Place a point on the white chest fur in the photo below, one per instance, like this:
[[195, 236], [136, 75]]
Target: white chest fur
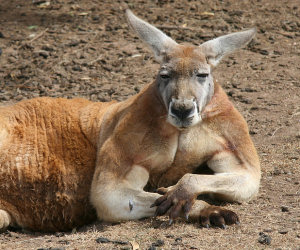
[[196, 144]]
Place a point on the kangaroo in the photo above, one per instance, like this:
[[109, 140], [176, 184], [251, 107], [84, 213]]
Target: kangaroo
[[65, 162]]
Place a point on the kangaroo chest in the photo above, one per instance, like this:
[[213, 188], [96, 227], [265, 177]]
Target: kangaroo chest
[[184, 154], [195, 146]]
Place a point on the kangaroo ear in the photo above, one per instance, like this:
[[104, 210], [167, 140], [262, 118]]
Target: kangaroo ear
[[156, 39], [215, 49]]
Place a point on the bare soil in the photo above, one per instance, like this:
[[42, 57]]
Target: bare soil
[[78, 48]]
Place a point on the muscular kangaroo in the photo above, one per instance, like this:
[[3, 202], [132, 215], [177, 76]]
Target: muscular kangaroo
[[62, 162]]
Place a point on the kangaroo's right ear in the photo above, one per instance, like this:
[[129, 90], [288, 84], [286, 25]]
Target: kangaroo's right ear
[[156, 39]]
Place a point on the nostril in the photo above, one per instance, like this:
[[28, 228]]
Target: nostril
[[175, 111], [182, 112]]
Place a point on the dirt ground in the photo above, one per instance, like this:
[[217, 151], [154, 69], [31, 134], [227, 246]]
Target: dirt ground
[[77, 48]]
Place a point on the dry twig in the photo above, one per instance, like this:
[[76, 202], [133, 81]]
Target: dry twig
[[38, 36]]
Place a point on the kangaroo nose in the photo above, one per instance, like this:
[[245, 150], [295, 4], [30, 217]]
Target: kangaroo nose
[[182, 112]]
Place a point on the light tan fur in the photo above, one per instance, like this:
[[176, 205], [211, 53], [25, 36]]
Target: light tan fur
[[64, 161]]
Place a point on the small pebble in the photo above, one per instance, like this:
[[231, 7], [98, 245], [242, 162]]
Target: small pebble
[[51, 248], [42, 53], [120, 242], [264, 52], [73, 43], [47, 47], [95, 18], [76, 68], [102, 240], [178, 239], [264, 239], [66, 242], [59, 234], [169, 236], [283, 231], [158, 243], [284, 209]]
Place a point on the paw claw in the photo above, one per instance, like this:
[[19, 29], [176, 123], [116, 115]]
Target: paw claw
[[206, 226], [218, 217], [186, 217], [170, 222], [130, 205]]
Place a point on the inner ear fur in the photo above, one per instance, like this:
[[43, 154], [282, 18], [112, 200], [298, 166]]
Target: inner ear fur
[[216, 48]]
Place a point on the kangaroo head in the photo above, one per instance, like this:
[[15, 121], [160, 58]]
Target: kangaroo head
[[184, 81]]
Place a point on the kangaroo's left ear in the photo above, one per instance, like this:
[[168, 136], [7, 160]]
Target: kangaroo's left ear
[[158, 41], [215, 49]]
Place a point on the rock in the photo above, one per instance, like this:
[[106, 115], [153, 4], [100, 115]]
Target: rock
[[170, 236], [42, 53], [268, 230], [65, 242], [230, 93], [1, 35], [277, 171], [76, 68], [247, 101], [158, 243], [283, 231], [37, 2], [263, 52], [120, 242], [102, 240], [52, 248], [249, 90], [11, 59], [264, 239], [59, 234], [179, 239], [19, 97], [5, 98], [284, 209], [73, 43], [95, 18], [47, 47], [236, 13]]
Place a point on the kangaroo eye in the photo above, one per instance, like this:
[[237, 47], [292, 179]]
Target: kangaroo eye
[[201, 75]]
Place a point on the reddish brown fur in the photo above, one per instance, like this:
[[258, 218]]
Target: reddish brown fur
[[57, 153], [187, 58], [46, 140], [54, 142]]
